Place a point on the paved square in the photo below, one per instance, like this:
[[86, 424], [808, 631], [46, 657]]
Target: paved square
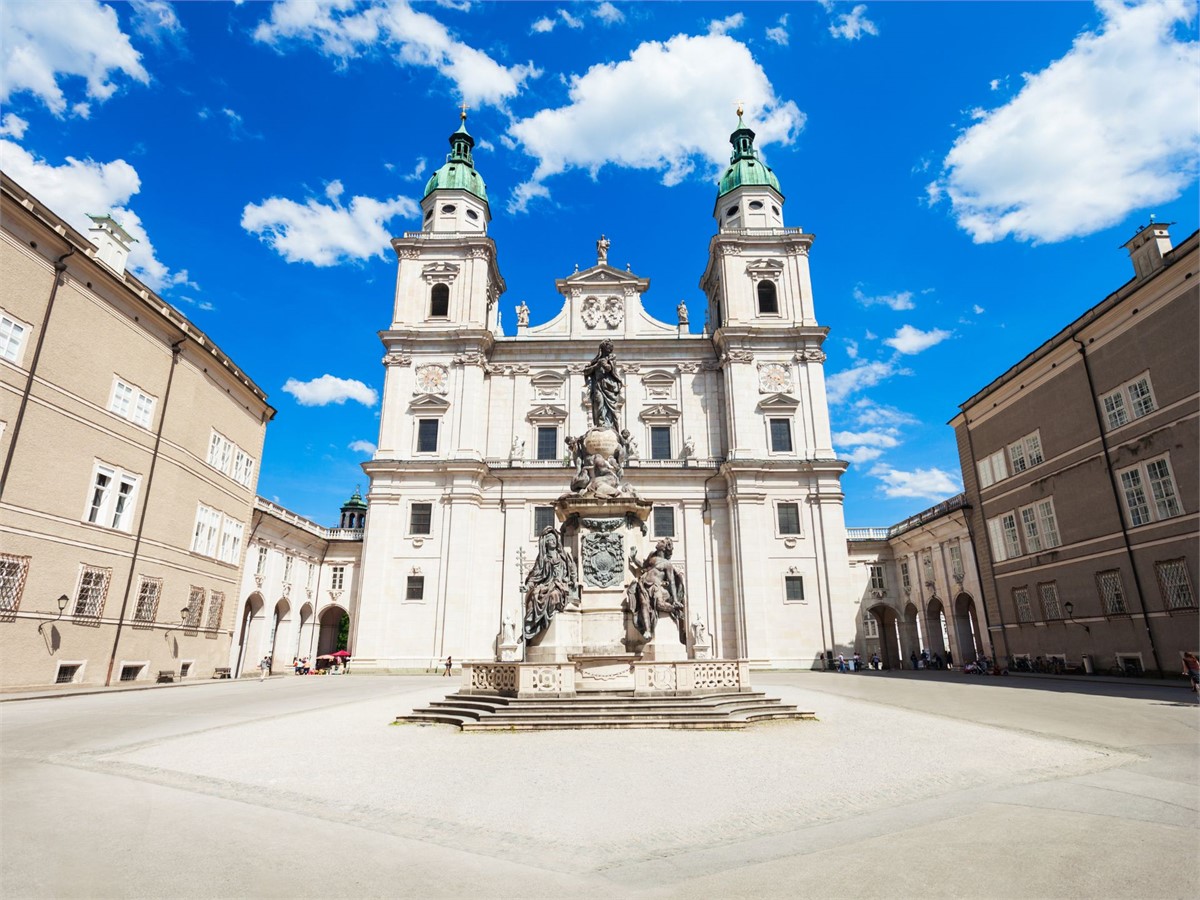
[[934, 786]]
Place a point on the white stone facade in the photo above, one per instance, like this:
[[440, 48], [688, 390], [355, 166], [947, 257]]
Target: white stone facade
[[731, 425]]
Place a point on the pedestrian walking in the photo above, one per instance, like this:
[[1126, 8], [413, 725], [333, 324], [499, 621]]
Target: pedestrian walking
[[264, 668], [449, 662], [1191, 668], [857, 661]]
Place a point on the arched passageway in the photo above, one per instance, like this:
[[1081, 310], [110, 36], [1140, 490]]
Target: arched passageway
[[250, 634], [305, 632], [910, 634], [935, 628], [334, 631], [889, 646], [281, 624], [966, 628]]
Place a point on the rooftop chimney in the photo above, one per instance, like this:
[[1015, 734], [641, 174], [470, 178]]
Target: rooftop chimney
[[1149, 246], [112, 242]]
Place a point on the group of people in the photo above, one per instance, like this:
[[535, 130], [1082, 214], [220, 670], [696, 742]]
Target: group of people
[[300, 665], [855, 663], [926, 661]]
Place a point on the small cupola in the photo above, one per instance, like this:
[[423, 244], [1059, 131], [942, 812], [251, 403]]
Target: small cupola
[[354, 511], [455, 196], [1149, 246], [748, 195], [112, 242]]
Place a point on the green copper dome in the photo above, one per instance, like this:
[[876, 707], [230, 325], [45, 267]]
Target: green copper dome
[[745, 168], [355, 502], [458, 174]]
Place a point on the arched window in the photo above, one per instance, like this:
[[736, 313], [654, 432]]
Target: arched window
[[767, 301], [439, 301]]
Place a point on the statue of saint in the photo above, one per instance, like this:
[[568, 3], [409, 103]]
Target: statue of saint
[[604, 387], [657, 590], [681, 309], [602, 249], [699, 631], [517, 450], [551, 585], [689, 448], [522, 315], [510, 627], [630, 443]]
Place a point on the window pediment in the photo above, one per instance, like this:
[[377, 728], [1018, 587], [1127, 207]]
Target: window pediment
[[660, 413], [659, 384], [547, 412], [760, 269], [429, 403], [781, 403], [548, 385], [439, 272]]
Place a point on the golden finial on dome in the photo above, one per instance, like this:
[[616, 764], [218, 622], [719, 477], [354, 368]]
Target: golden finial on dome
[[740, 110]]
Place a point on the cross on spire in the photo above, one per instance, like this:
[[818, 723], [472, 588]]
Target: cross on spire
[[464, 109]]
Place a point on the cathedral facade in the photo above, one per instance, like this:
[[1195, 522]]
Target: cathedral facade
[[728, 431]]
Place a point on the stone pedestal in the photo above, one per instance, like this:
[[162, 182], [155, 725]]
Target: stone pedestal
[[511, 653], [702, 651], [604, 673], [600, 532], [558, 642], [665, 646]]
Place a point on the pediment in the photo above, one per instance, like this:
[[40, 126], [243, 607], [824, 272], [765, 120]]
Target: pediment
[[547, 412], [778, 403], [439, 271], [660, 412], [429, 403]]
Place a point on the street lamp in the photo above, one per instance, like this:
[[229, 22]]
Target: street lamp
[[1070, 607], [63, 600]]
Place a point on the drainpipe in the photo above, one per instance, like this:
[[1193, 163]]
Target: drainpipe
[[60, 267], [1112, 481], [137, 542]]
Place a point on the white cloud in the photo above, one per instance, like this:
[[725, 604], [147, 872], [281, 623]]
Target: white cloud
[[863, 374], [182, 278], [885, 439], [326, 234], [79, 187], [571, 21], [344, 31], [977, 309], [329, 389], [899, 301], [13, 125], [729, 23], [778, 33], [362, 447], [1111, 127], [863, 454], [608, 14], [928, 484], [418, 170], [909, 340], [994, 84], [544, 25], [156, 20], [853, 25], [41, 43], [675, 91], [868, 412]]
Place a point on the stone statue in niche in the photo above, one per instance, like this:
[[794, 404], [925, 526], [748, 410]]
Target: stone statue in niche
[[551, 585], [509, 633], [657, 590], [604, 387], [522, 315], [689, 448], [699, 631], [517, 450]]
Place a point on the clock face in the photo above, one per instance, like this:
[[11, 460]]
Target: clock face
[[774, 378], [432, 379]]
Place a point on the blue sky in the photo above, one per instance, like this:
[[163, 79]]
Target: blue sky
[[970, 171]]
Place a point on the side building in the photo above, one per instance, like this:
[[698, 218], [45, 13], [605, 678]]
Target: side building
[[1080, 465], [130, 446], [299, 587], [919, 587]]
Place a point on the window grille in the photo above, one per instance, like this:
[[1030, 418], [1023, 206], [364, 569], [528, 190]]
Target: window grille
[[130, 673], [1112, 594], [1174, 584], [543, 518], [421, 518], [1050, 605], [93, 589], [66, 673], [216, 605], [13, 571], [788, 516], [195, 607], [149, 592], [1021, 602]]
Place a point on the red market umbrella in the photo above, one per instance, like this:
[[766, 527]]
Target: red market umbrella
[[341, 653]]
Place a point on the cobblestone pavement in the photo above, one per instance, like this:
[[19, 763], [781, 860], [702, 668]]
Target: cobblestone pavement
[[918, 785]]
